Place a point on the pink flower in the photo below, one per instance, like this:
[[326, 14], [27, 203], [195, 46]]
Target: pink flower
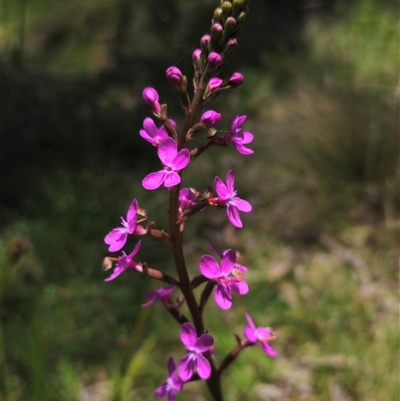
[[211, 118], [172, 384], [161, 294], [172, 162], [238, 137], [125, 262], [187, 198], [153, 134], [227, 196], [194, 358], [259, 335], [226, 275], [150, 96], [117, 237]]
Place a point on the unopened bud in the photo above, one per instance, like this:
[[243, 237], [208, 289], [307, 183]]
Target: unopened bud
[[238, 6], [175, 76], [214, 59], [230, 25], [216, 32], [242, 16], [214, 83], [150, 96], [204, 41], [236, 79], [217, 15], [197, 59], [211, 118]]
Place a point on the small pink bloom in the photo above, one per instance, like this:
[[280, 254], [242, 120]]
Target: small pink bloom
[[117, 237], [172, 161], [259, 335], [226, 275], [153, 134], [239, 138], [125, 262], [227, 196], [161, 294], [187, 198], [172, 384], [196, 346]]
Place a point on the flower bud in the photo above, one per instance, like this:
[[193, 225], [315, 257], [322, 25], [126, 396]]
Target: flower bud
[[214, 59], [229, 26], [204, 41], [239, 5], [175, 76], [214, 83], [217, 15], [216, 32], [236, 79], [150, 96], [211, 118]]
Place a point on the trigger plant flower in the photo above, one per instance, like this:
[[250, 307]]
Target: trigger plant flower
[[161, 294], [173, 161], [259, 335], [126, 262], [226, 275], [116, 238], [194, 359], [239, 138], [153, 134], [173, 383], [227, 197]]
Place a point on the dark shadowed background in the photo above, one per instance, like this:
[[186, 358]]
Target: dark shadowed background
[[321, 93]]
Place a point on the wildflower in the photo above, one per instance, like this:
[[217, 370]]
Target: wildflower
[[211, 118], [172, 384], [150, 96], [187, 197], [116, 238], [172, 161], [227, 277], [239, 138], [161, 294], [259, 335], [227, 197], [196, 347], [152, 134], [126, 262]]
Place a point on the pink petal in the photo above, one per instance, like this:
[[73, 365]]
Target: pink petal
[[247, 137], [221, 189], [186, 367], [167, 151], [161, 391], [150, 130], [188, 335], [151, 297], [117, 271], [223, 296], [228, 262], [243, 150], [116, 238], [241, 287], [171, 366], [203, 367], [268, 349], [233, 216], [135, 250], [204, 343], [209, 267], [181, 160], [133, 208], [215, 249], [153, 180], [171, 179], [243, 205], [250, 321], [250, 334], [230, 182]]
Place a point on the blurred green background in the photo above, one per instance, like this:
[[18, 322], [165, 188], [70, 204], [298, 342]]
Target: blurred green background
[[322, 97]]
